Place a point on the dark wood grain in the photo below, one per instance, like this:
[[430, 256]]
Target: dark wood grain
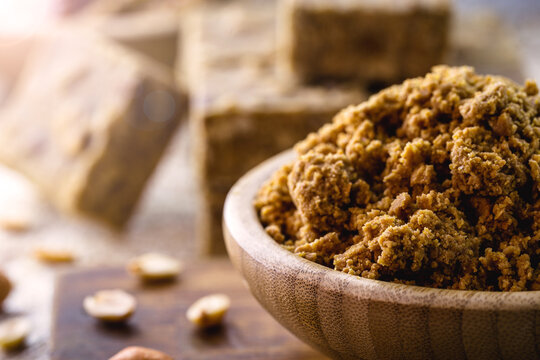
[[160, 322]]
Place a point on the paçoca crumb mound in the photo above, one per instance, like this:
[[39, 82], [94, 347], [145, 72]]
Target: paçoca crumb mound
[[434, 182]]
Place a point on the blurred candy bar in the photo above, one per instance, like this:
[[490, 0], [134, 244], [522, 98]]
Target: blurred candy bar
[[150, 27], [68, 7], [152, 33], [88, 122], [14, 50], [381, 41], [482, 40], [132, 6], [241, 113]]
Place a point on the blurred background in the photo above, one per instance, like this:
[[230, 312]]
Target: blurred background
[[123, 123]]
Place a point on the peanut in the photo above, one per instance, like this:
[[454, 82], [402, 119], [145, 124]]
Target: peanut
[[209, 311], [140, 353], [51, 254], [110, 305], [13, 332], [155, 267]]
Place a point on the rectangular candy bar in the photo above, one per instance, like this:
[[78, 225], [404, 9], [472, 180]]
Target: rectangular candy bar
[[241, 112], [381, 41], [88, 122]]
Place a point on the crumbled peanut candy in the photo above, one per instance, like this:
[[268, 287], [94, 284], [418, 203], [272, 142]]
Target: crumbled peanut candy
[[209, 311], [110, 305], [140, 353], [13, 332], [434, 182], [155, 267]]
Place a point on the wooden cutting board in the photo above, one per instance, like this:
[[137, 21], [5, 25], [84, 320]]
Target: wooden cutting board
[[249, 332]]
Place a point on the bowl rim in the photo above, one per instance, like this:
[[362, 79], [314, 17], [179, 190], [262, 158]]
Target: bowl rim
[[241, 222]]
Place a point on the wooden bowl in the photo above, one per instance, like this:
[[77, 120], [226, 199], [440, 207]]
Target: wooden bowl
[[349, 317]]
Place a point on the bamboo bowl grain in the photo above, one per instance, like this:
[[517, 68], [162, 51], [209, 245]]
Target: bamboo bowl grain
[[348, 317]]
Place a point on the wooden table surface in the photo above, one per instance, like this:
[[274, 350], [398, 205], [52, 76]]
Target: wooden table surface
[[164, 220], [248, 331]]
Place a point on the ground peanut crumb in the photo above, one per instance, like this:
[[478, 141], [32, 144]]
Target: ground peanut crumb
[[434, 182]]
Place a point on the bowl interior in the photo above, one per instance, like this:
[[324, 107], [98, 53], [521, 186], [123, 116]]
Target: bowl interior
[[243, 227]]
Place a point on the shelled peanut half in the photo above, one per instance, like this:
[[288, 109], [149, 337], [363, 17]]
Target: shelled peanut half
[[140, 353], [155, 267]]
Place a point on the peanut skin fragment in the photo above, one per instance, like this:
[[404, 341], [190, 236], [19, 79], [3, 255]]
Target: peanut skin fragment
[[5, 288]]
